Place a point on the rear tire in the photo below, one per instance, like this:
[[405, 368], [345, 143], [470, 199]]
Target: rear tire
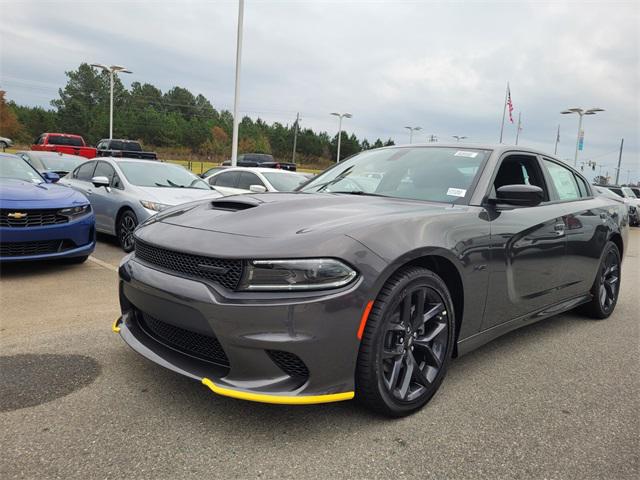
[[407, 343], [127, 223], [606, 287]]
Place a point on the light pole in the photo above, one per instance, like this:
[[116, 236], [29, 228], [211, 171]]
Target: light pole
[[411, 130], [581, 112], [113, 69], [340, 115], [236, 120], [459, 137]]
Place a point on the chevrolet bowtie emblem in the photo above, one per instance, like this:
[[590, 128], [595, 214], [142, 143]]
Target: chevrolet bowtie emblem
[[16, 215]]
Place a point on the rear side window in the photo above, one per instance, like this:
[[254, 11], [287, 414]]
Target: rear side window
[[85, 171], [103, 169], [247, 179], [563, 179], [582, 187], [226, 179]]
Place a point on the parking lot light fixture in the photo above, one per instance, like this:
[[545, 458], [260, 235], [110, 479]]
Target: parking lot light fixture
[[580, 112], [113, 69], [411, 130], [459, 137], [340, 116]]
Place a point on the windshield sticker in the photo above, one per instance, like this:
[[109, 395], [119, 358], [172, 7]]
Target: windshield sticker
[[456, 192], [463, 153]]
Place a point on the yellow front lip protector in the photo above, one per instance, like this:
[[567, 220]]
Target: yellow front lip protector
[[278, 399]]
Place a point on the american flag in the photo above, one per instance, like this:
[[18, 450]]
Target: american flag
[[509, 103]]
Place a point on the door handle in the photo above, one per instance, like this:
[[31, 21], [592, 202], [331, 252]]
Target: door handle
[[559, 228], [88, 191]]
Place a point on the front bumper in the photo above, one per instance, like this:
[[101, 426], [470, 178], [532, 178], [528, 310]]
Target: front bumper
[[320, 329], [75, 239]]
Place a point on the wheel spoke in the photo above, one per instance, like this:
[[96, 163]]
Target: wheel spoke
[[418, 318], [437, 329], [405, 383], [429, 355], [391, 353], [418, 375], [405, 314], [603, 295], [395, 373]]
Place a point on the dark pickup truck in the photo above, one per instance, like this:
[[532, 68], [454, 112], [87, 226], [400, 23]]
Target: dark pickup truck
[[123, 148], [261, 160]]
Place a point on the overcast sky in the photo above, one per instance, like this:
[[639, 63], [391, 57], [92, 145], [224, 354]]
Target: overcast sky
[[439, 65]]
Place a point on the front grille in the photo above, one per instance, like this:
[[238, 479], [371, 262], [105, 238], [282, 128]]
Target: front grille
[[22, 249], [289, 363], [195, 344], [224, 272], [30, 218]]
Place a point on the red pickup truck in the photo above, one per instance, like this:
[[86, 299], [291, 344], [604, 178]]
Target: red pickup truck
[[64, 143]]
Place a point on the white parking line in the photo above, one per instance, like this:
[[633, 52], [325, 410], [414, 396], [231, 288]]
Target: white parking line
[[106, 265]]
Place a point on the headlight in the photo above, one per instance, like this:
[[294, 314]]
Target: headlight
[[303, 274], [155, 206], [74, 212]]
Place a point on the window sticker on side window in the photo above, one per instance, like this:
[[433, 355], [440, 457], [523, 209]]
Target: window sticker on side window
[[456, 192], [464, 153]]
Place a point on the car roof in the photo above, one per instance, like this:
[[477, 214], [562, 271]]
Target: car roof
[[257, 169], [43, 153], [496, 147], [117, 160]]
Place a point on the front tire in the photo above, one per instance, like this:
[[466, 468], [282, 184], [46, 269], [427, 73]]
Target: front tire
[[407, 343], [606, 286], [126, 226]]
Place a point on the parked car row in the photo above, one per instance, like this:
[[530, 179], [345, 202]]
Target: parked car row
[[629, 195], [75, 145]]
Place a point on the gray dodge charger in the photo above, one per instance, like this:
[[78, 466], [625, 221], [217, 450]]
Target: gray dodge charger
[[370, 278]]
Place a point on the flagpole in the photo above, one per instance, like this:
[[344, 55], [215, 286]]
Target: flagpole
[[518, 128], [555, 150], [504, 111]]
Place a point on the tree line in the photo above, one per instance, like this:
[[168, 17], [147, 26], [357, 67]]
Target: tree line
[[175, 118]]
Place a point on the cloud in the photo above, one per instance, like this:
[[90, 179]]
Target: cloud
[[440, 65]]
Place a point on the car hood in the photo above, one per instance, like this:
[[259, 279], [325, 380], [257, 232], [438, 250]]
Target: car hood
[[15, 192], [285, 214], [175, 196]]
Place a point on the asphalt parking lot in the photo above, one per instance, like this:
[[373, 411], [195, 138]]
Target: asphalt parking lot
[[558, 399]]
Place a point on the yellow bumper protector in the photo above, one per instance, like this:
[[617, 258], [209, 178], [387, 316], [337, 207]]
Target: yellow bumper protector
[[114, 327], [279, 399]]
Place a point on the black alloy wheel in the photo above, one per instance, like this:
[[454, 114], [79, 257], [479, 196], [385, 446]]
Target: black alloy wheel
[[126, 226], [606, 286], [407, 343]]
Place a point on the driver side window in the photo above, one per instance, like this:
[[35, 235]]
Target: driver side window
[[520, 170]]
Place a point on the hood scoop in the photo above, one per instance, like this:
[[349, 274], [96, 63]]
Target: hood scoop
[[236, 204]]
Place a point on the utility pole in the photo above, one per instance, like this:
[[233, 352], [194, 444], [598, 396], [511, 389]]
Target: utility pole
[[555, 150], [236, 120], [295, 138], [619, 161]]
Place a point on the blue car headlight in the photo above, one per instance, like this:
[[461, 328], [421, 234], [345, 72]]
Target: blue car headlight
[[75, 212], [297, 274]]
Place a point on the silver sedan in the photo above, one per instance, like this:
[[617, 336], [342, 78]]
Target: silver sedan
[[125, 192]]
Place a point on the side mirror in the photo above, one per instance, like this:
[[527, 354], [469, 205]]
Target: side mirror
[[51, 177], [520, 195], [100, 182], [258, 188]]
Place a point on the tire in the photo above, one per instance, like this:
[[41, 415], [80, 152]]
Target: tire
[[390, 352], [76, 260], [606, 286], [127, 223]]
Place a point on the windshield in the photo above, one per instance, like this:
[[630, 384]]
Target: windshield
[[285, 182], [435, 174], [630, 193], [15, 167], [60, 163], [147, 174]]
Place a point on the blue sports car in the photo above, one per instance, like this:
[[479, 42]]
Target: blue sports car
[[40, 220]]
